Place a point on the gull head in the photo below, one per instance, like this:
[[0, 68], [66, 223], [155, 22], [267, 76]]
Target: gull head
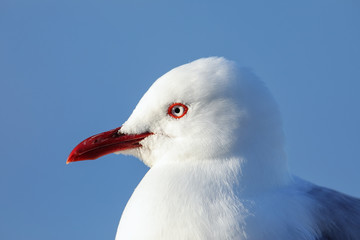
[[206, 110]]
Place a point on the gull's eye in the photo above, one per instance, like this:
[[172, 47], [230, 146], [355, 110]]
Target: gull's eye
[[177, 110]]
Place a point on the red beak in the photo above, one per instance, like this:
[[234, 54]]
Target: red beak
[[105, 143]]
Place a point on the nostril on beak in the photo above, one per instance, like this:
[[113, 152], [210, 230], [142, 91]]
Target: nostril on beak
[[115, 134]]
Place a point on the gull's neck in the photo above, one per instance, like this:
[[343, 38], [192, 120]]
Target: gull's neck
[[209, 198]]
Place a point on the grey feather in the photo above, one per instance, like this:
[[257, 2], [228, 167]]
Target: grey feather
[[337, 215]]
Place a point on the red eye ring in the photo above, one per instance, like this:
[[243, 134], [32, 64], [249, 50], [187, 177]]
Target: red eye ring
[[177, 110]]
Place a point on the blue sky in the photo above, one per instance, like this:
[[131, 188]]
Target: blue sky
[[73, 68]]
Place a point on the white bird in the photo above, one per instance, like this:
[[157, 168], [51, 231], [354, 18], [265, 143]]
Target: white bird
[[212, 136]]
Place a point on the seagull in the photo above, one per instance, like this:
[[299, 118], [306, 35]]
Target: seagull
[[212, 136]]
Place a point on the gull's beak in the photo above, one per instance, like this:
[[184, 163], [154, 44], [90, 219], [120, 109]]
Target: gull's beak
[[105, 143]]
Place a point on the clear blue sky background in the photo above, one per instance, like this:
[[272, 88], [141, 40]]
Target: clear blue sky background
[[73, 68]]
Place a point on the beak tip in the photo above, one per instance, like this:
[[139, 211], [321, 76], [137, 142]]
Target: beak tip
[[69, 160]]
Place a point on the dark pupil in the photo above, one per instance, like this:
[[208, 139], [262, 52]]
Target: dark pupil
[[177, 110]]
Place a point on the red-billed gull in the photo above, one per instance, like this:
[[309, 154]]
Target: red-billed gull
[[212, 136]]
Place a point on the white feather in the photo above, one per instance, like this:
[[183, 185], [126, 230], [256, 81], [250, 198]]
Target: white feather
[[219, 172]]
